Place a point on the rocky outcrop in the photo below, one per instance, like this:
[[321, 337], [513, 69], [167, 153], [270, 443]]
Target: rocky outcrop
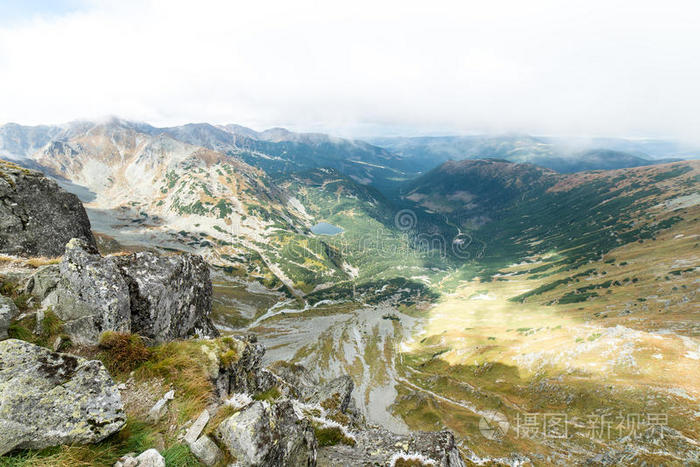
[[334, 395], [297, 382], [170, 295], [375, 446], [85, 291], [238, 368], [37, 217], [8, 311], [160, 298], [49, 399], [268, 435], [282, 429]]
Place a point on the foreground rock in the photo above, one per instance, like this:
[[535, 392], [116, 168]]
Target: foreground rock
[[170, 295], [206, 451], [49, 399], [160, 298], [8, 311], [149, 458], [85, 291], [37, 217], [268, 435]]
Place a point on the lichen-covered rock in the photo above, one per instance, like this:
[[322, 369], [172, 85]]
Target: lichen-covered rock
[[206, 451], [170, 295], [160, 298], [49, 399], [237, 367], [8, 311], [265, 434], [334, 396], [376, 446], [95, 293], [37, 217], [297, 382], [86, 291], [148, 458]]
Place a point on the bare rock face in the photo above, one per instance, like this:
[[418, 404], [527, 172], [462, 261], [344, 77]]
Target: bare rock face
[[297, 382], [242, 374], [49, 399], [37, 217], [334, 396], [160, 298], [265, 434], [8, 310], [170, 295]]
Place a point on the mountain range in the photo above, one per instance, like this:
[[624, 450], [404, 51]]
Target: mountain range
[[562, 155]]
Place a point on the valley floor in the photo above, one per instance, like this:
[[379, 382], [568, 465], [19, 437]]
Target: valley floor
[[606, 376]]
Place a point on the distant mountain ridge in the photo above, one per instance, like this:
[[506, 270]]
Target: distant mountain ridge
[[277, 151], [554, 153]]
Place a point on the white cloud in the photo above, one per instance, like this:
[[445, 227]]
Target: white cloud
[[574, 67]]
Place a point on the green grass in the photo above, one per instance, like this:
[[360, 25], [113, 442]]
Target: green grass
[[270, 395], [136, 437], [50, 329], [332, 435]]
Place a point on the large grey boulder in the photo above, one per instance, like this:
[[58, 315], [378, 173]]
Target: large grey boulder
[[37, 217], [158, 297], [49, 399], [8, 311], [265, 434], [170, 295], [86, 291]]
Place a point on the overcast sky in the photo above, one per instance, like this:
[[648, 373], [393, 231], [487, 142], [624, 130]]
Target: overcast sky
[[594, 67]]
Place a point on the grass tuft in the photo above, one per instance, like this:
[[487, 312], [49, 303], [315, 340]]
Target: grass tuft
[[270, 395], [182, 365], [122, 352], [332, 435]]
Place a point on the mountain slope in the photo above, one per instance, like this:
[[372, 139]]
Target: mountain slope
[[143, 187], [279, 151], [472, 188], [517, 210]]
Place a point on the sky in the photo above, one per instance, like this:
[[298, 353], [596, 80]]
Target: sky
[[356, 68]]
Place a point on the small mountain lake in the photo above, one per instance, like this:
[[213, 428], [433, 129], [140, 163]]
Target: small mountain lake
[[324, 228]]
